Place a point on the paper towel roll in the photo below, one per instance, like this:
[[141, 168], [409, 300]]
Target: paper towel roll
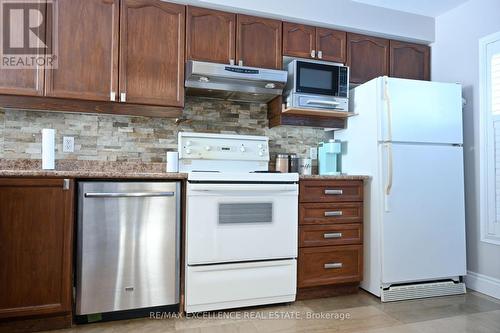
[[172, 161], [48, 148]]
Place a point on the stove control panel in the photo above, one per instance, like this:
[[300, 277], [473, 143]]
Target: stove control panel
[[206, 146]]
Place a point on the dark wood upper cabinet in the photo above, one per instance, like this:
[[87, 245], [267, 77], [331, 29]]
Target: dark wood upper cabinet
[[298, 40], [409, 60], [210, 35], [331, 45], [36, 228], [258, 42], [367, 57], [88, 51], [152, 52], [27, 82]]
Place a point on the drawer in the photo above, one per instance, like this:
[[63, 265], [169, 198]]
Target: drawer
[[330, 190], [329, 213], [330, 265], [324, 235]]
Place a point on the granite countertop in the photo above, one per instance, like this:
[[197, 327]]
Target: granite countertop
[[88, 169], [112, 170], [335, 177]]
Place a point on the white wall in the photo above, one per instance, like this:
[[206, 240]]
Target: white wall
[[455, 58], [340, 14]]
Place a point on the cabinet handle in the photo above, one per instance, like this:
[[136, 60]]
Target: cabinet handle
[[333, 265], [320, 54], [333, 213], [123, 97], [334, 192], [231, 62], [240, 62], [313, 54], [66, 184], [112, 96], [332, 235]]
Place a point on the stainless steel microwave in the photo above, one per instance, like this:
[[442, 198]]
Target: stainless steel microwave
[[317, 84]]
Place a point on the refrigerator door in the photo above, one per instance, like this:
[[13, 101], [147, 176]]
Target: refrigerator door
[[420, 111], [423, 218]]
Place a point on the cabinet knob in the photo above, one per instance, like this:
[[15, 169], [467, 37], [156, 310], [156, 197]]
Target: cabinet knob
[[320, 54], [123, 97], [313, 54], [240, 62], [231, 62]]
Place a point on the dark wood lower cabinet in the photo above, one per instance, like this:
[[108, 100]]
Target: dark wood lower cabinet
[[36, 231], [330, 258]]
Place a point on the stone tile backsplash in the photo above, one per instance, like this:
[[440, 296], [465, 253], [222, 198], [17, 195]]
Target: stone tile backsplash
[[144, 139]]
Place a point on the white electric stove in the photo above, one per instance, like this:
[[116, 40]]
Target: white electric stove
[[241, 223]]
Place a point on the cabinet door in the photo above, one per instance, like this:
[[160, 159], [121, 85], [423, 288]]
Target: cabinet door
[[28, 82], [409, 61], [152, 52], [36, 228], [298, 40], [331, 45], [88, 51], [258, 42], [210, 35], [367, 57]]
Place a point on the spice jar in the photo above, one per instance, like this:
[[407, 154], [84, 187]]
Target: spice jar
[[282, 163]]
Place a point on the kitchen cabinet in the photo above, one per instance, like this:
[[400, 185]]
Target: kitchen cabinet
[[88, 51], [330, 260], [258, 42], [367, 57], [299, 40], [210, 35], [305, 41], [409, 60], [152, 52], [36, 229], [26, 82]]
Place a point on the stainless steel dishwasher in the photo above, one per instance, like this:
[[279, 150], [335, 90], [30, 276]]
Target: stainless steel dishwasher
[[127, 246]]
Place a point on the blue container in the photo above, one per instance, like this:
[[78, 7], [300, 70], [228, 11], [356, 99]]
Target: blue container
[[328, 155]]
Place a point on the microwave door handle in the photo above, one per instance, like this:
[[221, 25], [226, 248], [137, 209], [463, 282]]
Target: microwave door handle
[[322, 102]]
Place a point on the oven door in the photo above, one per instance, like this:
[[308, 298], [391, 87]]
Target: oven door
[[241, 222], [321, 79]]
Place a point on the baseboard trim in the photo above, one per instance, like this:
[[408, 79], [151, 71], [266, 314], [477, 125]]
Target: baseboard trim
[[483, 284]]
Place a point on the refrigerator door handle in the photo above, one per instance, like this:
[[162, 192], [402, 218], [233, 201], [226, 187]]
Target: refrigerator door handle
[[387, 99], [388, 185]]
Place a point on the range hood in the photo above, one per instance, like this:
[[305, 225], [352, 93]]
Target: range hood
[[236, 83]]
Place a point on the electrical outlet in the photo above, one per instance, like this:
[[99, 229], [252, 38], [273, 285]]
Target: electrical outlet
[[68, 144], [313, 153]]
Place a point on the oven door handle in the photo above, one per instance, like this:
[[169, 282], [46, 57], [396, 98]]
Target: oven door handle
[[207, 188], [322, 102]]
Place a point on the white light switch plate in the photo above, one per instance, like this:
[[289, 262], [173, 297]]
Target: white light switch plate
[[313, 153], [68, 144]]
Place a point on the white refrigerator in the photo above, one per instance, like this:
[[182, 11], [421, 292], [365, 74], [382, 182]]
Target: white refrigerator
[[407, 135]]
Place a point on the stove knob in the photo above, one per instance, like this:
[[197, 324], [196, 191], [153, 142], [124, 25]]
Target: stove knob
[[208, 148], [188, 151], [260, 146], [188, 143], [261, 153], [242, 149]]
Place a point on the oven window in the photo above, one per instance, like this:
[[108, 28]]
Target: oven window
[[260, 212], [315, 78]]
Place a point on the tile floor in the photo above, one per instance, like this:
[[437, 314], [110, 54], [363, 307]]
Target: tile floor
[[473, 312]]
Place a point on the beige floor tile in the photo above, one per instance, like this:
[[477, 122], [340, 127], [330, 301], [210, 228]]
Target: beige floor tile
[[362, 298], [438, 307], [489, 319]]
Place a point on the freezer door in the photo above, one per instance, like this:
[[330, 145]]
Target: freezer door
[[420, 111], [423, 221]]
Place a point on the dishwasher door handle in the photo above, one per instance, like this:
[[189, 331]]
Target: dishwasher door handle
[[128, 194]]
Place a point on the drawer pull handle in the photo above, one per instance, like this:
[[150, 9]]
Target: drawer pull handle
[[332, 235], [333, 213], [334, 192], [333, 265]]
